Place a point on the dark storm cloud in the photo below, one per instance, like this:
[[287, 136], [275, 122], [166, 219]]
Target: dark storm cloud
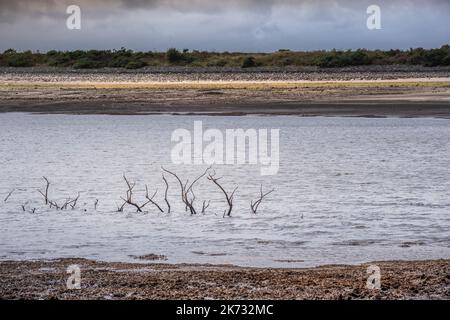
[[250, 25]]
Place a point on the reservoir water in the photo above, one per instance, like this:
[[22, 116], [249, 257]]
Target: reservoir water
[[348, 190]]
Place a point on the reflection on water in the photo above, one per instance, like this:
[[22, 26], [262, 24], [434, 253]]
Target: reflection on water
[[348, 190]]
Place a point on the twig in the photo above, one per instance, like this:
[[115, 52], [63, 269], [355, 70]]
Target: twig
[[205, 206], [73, 203], [150, 199], [9, 195]]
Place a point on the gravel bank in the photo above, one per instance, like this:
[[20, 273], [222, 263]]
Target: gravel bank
[[179, 74], [101, 280]]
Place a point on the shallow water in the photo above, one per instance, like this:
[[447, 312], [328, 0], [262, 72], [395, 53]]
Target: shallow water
[[349, 190]]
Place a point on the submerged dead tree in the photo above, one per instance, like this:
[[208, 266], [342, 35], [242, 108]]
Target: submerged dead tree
[[52, 203], [129, 198], [254, 206], [187, 193], [45, 195], [228, 197], [70, 202]]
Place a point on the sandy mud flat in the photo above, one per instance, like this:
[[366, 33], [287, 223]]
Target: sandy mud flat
[[346, 92]]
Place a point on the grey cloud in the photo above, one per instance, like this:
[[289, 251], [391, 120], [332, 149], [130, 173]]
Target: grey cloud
[[250, 25], [19, 6]]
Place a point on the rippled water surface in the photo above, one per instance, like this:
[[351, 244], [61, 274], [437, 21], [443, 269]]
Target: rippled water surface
[[349, 190]]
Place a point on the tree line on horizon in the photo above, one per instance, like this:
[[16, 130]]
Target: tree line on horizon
[[129, 59]]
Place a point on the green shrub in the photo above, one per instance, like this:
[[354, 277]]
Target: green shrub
[[119, 62], [217, 63], [359, 58], [87, 64], [332, 60], [336, 59], [52, 53], [124, 58], [135, 65], [173, 55], [58, 59], [446, 60], [9, 51], [249, 62], [24, 59]]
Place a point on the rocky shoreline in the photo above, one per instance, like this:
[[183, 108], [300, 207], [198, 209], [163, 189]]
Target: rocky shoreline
[[103, 280]]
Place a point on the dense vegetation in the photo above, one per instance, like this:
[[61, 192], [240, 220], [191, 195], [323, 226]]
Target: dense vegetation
[[129, 59]]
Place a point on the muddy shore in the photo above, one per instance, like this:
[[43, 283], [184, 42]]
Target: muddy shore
[[102, 280], [385, 92]]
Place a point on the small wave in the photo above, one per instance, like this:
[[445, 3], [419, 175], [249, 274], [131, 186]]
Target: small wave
[[282, 243], [408, 244], [210, 254], [289, 260], [149, 257], [366, 242]]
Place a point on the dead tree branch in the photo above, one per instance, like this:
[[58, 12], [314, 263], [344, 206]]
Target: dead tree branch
[[166, 192], [120, 209], [205, 206], [9, 195], [228, 197], [51, 203], [254, 206], [150, 199], [186, 189], [129, 200], [73, 203], [45, 195]]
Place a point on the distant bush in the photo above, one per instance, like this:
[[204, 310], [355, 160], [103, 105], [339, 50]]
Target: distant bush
[[135, 65], [436, 57], [124, 58], [336, 59], [23, 59], [249, 62], [9, 51], [173, 55], [58, 59], [218, 63], [446, 60], [119, 62], [85, 63]]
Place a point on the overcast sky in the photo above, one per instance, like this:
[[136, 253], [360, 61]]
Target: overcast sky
[[223, 25]]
